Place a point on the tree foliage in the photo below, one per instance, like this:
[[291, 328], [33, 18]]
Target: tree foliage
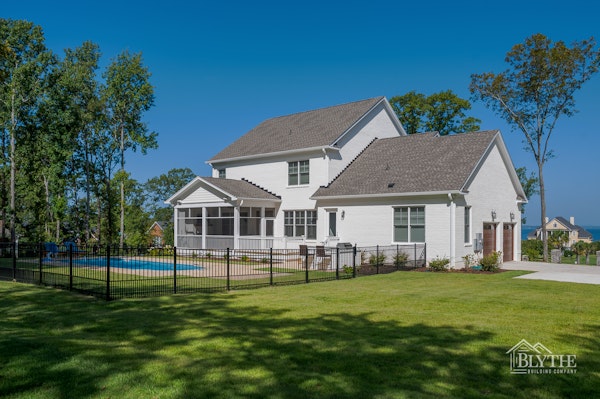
[[537, 88], [530, 186], [64, 131], [443, 112]]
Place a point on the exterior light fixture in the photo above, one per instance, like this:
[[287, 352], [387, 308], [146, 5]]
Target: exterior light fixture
[[493, 215]]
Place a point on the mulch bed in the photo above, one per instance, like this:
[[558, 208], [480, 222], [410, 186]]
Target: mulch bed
[[466, 271]]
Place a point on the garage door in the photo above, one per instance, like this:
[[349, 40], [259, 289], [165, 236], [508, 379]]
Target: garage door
[[489, 238], [508, 240]]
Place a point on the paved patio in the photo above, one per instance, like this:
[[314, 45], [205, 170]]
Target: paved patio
[[557, 272]]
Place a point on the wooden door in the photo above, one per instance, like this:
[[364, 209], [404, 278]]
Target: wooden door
[[508, 241], [489, 238]]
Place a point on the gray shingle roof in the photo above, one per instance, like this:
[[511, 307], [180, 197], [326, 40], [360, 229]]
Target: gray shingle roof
[[583, 233], [240, 188], [309, 129], [412, 164]]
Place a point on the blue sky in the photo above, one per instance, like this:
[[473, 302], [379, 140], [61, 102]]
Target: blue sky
[[220, 68]]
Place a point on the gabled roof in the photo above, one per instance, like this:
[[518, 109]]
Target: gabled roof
[[583, 233], [419, 163], [233, 189], [310, 129]]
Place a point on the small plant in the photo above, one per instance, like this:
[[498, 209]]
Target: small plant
[[245, 258], [469, 260], [375, 259], [491, 262], [208, 255], [400, 259], [264, 260], [439, 264], [347, 269]]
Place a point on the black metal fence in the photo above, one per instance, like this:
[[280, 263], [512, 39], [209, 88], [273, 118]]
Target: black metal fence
[[111, 272]]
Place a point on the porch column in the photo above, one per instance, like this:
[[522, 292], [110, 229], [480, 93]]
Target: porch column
[[203, 227], [236, 227], [175, 227]]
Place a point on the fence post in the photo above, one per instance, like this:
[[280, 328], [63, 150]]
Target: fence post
[[377, 259], [41, 260], [337, 263], [70, 268], [354, 261], [306, 265], [396, 263], [271, 266], [415, 255], [228, 275], [174, 270], [108, 272]]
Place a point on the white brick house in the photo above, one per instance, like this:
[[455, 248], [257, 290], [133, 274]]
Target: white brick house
[[349, 173]]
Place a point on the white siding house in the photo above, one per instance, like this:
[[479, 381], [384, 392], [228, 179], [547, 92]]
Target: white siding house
[[349, 173]]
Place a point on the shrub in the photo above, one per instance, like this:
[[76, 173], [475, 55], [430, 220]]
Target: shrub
[[244, 258], [264, 260], [469, 260], [491, 262], [376, 259], [400, 259], [439, 264], [532, 248]]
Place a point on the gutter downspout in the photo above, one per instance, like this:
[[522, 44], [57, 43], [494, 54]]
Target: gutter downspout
[[452, 231]]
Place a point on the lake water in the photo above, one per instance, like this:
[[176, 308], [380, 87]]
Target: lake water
[[594, 231]]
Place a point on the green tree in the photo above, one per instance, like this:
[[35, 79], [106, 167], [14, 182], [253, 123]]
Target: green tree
[[443, 112], [24, 67], [530, 186], [128, 94], [537, 88]]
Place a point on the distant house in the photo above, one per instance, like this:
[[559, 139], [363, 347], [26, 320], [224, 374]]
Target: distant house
[[350, 173], [559, 223], [156, 232]]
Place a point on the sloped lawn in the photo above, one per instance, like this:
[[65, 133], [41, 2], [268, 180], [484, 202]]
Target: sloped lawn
[[405, 334]]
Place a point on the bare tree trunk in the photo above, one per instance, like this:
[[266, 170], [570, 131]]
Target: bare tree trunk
[[122, 225], [543, 209], [13, 166]]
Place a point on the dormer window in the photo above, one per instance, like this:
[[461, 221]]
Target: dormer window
[[222, 174], [298, 173]]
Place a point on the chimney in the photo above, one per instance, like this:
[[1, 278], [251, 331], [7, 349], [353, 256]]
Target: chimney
[[572, 220]]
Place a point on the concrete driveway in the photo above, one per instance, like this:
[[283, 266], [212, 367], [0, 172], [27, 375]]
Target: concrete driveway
[[557, 272]]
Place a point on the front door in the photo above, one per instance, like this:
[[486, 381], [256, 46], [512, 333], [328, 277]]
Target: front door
[[489, 238], [507, 242]]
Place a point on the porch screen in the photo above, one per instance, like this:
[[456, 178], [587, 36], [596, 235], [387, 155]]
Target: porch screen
[[219, 221]]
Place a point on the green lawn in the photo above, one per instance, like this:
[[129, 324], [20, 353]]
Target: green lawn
[[405, 334]]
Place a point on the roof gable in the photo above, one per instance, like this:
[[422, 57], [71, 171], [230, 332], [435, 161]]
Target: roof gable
[[310, 129], [419, 163], [211, 189]]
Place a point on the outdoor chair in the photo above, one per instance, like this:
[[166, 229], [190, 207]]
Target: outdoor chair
[[322, 258]]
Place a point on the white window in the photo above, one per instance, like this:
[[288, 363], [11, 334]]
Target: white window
[[409, 224], [300, 223], [222, 173], [298, 173], [467, 225]]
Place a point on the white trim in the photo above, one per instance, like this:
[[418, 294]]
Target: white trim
[[386, 195], [320, 148]]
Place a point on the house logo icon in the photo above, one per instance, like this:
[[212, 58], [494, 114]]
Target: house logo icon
[[526, 358]]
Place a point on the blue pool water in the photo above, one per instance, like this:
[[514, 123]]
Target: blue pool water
[[132, 264]]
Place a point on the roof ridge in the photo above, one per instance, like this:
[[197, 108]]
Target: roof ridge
[[326, 108], [351, 162], [262, 188]]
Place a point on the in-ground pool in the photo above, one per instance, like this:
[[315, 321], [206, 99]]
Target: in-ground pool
[[132, 264]]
